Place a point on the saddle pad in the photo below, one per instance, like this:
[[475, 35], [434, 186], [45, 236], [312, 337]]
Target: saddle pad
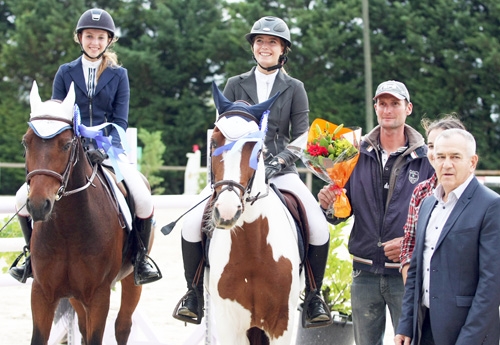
[[120, 198]]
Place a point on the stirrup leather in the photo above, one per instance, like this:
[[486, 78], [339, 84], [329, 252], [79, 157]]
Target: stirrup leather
[[306, 323], [199, 297]]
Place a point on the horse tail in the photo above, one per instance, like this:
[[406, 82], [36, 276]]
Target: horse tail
[[256, 336], [64, 311]]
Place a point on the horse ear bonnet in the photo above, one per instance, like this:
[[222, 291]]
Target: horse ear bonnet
[[48, 128], [238, 119]]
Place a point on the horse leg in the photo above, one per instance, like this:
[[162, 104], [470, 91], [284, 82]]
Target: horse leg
[[97, 307], [82, 318], [286, 337], [257, 336], [42, 311], [131, 294], [232, 326]]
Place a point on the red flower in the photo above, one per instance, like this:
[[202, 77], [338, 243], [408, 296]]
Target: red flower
[[317, 150]]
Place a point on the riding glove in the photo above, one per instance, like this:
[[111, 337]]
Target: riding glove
[[279, 162]]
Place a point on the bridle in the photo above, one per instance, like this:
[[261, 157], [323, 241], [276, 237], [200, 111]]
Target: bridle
[[231, 186], [73, 160]]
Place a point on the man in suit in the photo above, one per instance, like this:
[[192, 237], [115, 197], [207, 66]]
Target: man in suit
[[453, 287]]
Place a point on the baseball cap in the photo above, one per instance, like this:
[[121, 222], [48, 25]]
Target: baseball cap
[[394, 88]]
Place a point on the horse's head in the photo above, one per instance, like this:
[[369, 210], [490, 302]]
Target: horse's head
[[236, 148], [50, 147]]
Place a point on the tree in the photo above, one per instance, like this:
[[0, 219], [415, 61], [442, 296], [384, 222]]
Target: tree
[[446, 51], [167, 49]]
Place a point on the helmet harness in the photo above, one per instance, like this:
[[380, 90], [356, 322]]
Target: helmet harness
[[95, 19], [272, 26]]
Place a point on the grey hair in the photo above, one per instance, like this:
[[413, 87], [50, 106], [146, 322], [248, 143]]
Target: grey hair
[[469, 138]]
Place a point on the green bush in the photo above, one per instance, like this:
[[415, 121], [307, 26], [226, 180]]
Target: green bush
[[337, 282]]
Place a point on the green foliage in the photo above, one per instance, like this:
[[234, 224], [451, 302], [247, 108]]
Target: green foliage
[[151, 161], [337, 282], [11, 230], [202, 181]]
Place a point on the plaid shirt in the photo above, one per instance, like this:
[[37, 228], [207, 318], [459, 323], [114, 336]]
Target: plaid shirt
[[422, 190]]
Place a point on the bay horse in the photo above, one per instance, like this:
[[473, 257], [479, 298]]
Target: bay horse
[[253, 256], [78, 245]]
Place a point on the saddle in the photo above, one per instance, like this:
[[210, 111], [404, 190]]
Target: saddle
[[298, 212], [123, 203]]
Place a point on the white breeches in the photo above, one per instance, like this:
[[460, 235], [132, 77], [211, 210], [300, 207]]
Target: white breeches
[[143, 202], [21, 197], [318, 226]]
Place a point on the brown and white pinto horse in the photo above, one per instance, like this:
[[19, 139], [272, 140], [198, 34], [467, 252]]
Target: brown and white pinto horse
[[78, 240], [253, 274]]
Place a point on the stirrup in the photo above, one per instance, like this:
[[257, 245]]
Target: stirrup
[[188, 319], [306, 323], [27, 272], [149, 260]]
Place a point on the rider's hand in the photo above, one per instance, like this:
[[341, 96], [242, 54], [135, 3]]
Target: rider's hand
[[97, 156], [274, 166]]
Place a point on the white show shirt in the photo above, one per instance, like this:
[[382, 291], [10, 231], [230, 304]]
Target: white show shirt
[[265, 84]]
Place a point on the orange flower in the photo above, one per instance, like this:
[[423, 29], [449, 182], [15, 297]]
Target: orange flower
[[331, 153]]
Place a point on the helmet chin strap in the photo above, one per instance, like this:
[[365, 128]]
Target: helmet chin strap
[[91, 57], [281, 61]]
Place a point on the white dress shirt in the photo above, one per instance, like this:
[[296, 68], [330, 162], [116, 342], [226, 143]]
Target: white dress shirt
[[439, 216], [265, 84], [90, 73]]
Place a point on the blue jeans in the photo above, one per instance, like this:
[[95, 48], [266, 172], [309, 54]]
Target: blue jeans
[[370, 294]]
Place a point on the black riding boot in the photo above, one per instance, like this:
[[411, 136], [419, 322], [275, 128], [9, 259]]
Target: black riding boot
[[144, 271], [192, 304], [317, 311], [23, 272]]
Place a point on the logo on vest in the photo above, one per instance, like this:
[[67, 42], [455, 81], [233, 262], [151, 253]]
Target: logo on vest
[[413, 176]]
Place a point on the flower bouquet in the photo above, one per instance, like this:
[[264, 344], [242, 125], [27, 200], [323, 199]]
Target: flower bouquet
[[331, 152]]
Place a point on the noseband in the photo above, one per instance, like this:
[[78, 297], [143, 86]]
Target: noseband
[[64, 177], [232, 186]]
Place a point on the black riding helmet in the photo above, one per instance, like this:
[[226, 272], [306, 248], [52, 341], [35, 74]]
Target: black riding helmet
[[95, 18], [272, 26]]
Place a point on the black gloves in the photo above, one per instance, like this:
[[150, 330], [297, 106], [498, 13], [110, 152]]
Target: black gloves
[[274, 166], [97, 156], [279, 162]]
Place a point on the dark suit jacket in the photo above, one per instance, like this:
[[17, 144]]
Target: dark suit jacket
[[465, 272], [289, 115], [110, 102]]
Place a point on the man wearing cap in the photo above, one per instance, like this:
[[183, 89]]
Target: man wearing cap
[[392, 162]]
